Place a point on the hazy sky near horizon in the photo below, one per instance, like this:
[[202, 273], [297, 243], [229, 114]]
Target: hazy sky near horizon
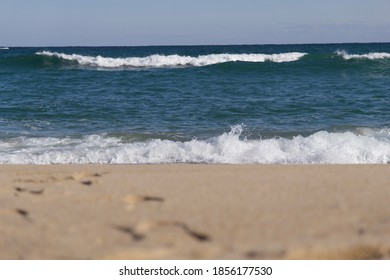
[[173, 22]]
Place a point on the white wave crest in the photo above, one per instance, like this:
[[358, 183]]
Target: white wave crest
[[4, 48], [173, 60], [363, 146], [370, 56]]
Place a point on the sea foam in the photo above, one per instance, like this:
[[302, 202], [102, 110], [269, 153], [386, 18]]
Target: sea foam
[[360, 146], [370, 56], [157, 60]]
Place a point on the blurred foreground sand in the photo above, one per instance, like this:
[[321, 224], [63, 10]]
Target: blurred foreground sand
[[195, 212]]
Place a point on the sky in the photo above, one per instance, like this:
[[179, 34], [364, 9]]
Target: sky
[[191, 22]]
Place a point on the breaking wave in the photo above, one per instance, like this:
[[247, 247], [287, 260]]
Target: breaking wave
[[173, 60], [360, 146], [370, 56]]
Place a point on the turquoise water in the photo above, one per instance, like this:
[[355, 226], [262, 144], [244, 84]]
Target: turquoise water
[[196, 104]]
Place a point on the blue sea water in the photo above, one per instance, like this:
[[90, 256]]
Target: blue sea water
[[196, 104]]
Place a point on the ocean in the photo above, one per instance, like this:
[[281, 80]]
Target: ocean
[[284, 104]]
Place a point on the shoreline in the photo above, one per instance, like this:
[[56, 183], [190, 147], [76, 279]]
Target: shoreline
[[195, 211]]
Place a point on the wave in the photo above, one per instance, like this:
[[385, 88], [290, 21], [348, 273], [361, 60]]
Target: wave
[[48, 59], [4, 48], [360, 146], [370, 56], [156, 61]]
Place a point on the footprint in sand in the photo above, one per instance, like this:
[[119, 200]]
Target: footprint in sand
[[132, 200], [84, 177], [144, 227], [141, 230], [357, 252], [194, 234], [32, 191], [23, 213], [265, 254], [130, 231]]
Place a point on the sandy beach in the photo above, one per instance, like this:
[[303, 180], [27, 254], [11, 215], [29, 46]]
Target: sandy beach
[[194, 211]]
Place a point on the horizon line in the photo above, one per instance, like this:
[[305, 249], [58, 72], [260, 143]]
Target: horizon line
[[189, 45]]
